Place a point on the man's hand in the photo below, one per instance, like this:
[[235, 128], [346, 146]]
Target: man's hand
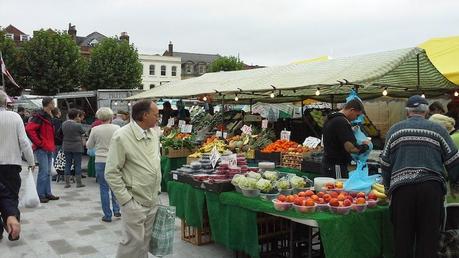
[[32, 168], [13, 227]]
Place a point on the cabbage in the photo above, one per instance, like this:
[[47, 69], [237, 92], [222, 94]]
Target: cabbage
[[255, 175], [236, 179], [264, 185], [298, 182], [247, 183], [283, 184], [270, 175]]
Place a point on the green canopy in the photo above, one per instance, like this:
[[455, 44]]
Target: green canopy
[[403, 72]]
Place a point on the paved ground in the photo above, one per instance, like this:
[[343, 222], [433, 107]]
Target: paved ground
[[72, 227]]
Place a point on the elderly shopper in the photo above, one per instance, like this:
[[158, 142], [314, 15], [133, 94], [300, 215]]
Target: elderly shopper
[[72, 144], [133, 172], [14, 144], [99, 139], [416, 153]]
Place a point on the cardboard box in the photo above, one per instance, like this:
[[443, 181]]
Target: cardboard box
[[180, 153]]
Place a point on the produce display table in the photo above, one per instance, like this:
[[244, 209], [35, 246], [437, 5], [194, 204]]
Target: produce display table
[[167, 165], [232, 220]]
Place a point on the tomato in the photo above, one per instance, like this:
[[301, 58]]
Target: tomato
[[321, 194], [309, 193], [282, 198], [327, 198], [334, 202], [309, 202], [314, 197], [334, 194], [360, 200]]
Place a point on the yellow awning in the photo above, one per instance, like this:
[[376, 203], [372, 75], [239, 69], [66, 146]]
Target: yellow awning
[[444, 54], [317, 59]]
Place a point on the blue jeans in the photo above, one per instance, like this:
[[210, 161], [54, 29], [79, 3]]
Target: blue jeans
[[43, 179], [105, 192], [72, 157]]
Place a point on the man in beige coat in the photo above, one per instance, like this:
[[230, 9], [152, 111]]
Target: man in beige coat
[[133, 171]]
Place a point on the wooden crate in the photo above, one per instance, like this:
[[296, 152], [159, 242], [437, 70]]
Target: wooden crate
[[180, 153], [197, 236]]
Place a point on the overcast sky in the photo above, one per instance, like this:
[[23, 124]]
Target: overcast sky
[[262, 32]]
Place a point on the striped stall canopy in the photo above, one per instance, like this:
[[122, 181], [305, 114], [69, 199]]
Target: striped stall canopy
[[396, 71]]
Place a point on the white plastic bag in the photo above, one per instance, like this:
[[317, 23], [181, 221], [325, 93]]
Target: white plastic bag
[[29, 197], [53, 169]]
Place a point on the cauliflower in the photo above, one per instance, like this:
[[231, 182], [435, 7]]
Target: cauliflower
[[283, 184], [298, 182], [254, 175], [264, 185], [248, 183], [236, 179], [270, 175]]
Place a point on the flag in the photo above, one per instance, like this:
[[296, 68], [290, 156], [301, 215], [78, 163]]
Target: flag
[[7, 73]]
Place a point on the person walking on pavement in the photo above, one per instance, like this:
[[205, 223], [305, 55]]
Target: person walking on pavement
[[40, 130], [72, 144], [99, 138], [122, 118], [416, 153], [14, 144], [133, 172], [339, 140], [57, 123]]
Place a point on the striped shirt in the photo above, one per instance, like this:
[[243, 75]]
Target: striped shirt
[[13, 140]]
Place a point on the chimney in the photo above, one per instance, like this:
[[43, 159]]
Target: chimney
[[72, 31], [124, 36], [171, 49]]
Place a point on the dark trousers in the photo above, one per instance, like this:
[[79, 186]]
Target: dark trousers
[[334, 170], [10, 182], [417, 212], [452, 218]]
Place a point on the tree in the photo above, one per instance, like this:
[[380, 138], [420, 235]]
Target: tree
[[114, 64], [226, 63], [53, 63], [10, 57]]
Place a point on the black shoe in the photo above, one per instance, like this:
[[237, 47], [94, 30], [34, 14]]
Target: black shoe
[[44, 200], [117, 214], [104, 219], [52, 197]]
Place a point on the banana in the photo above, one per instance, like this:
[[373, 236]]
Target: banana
[[378, 187], [378, 194]]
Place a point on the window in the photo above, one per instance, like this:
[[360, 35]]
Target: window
[[174, 70], [152, 69], [9, 36], [189, 68], [152, 86], [163, 70], [24, 37], [162, 83], [202, 69]]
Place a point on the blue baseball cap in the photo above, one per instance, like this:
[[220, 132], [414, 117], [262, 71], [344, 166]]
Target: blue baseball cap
[[415, 101]]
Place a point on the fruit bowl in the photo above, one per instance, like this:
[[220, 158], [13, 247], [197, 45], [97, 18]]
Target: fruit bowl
[[372, 203], [359, 207], [342, 210], [322, 207], [281, 206], [250, 192], [286, 191], [297, 190], [305, 209], [268, 196]]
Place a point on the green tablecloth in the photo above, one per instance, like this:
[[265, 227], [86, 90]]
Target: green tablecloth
[[167, 165], [232, 220]]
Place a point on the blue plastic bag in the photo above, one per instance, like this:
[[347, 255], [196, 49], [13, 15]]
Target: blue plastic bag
[[91, 152], [353, 95], [359, 180], [361, 137]]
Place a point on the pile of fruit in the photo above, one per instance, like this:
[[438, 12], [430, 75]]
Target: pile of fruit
[[379, 191], [208, 145], [238, 141], [284, 146]]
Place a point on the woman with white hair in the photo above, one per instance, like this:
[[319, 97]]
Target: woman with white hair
[[99, 139]]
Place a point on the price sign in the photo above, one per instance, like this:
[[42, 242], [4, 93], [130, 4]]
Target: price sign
[[311, 142], [181, 123], [174, 176], [171, 122], [246, 129], [225, 134], [186, 128], [214, 156], [231, 159], [264, 124], [285, 135], [218, 134]]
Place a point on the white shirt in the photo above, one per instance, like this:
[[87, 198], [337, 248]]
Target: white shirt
[[13, 140], [100, 140]]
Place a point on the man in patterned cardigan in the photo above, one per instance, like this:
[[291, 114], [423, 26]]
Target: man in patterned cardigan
[[414, 159]]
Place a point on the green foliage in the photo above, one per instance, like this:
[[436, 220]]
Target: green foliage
[[53, 63], [11, 58], [114, 64], [226, 63]]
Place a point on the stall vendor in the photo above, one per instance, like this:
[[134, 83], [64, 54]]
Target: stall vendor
[[339, 140]]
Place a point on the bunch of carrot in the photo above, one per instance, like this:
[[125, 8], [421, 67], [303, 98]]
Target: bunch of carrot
[[283, 146]]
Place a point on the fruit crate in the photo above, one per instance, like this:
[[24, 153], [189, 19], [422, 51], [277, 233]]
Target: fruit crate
[[180, 153], [292, 160], [273, 237], [197, 236]]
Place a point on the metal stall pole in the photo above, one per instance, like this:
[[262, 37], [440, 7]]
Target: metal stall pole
[[223, 114], [418, 86]]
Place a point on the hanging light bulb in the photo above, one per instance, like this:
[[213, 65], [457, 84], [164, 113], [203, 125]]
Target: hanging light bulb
[[318, 92], [236, 98], [384, 93], [456, 94], [205, 98], [272, 95], [116, 103], [129, 104], [423, 95]]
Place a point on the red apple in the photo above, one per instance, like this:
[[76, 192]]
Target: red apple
[[372, 196], [347, 203], [321, 194], [334, 202], [320, 201]]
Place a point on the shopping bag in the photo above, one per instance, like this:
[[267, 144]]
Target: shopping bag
[[91, 152], [361, 137], [29, 198], [53, 169], [162, 238], [359, 180]]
